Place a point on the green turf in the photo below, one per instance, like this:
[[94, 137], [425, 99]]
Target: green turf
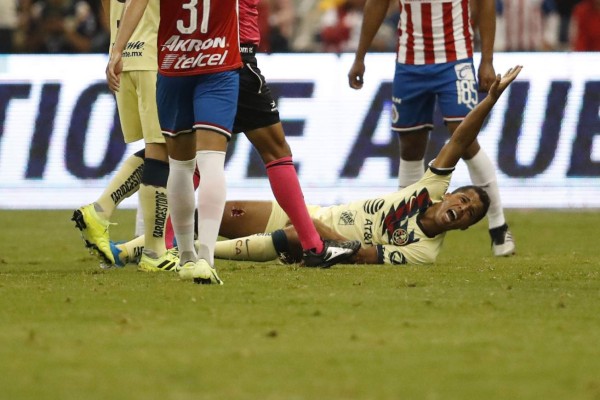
[[470, 327]]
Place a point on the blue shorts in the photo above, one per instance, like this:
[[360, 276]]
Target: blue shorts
[[187, 103], [417, 87]]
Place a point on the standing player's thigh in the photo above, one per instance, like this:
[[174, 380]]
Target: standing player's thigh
[[146, 87], [412, 98], [256, 106], [127, 104], [215, 101], [175, 103], [457, 90]]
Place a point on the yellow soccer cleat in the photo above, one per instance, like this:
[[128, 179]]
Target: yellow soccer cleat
[[200, 272], [94, 231], [168, 262]]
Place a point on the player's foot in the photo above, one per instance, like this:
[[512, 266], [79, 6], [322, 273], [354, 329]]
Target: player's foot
[[168, 262], [94, 231], [334, 252], [503, 244], [200, 272], [120, 256]]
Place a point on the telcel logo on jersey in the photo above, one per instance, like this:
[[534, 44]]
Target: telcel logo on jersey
[[181, 61]]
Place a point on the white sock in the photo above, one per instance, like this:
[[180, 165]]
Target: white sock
[[483, 174], [180, 192], [211, 201], [409, 172]]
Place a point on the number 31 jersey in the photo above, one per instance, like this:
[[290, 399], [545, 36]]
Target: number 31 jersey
[[198, 37]]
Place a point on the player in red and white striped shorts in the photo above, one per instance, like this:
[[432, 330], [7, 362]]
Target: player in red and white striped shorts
[[435, 64]]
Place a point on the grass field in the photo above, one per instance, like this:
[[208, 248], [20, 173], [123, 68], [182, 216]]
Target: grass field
[[469, 327]]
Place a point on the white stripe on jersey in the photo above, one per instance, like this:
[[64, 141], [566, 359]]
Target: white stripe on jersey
[[459, 37], [439, 47]]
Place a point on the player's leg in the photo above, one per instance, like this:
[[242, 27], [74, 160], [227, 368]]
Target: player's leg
[[93, 219], [174, 97], [282, 243], [252, 227], [153, 187], [258, 117], [413, 145], [245, 217], [456, 98], [214, 102], [128, 252], [412, 119], [270, 142], [483, 174]]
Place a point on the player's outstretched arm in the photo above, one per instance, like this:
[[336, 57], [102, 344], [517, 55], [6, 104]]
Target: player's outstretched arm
[[469, 128]]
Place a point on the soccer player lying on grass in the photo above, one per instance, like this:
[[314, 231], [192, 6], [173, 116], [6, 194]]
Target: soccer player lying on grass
[[404, 227], [407, 226]]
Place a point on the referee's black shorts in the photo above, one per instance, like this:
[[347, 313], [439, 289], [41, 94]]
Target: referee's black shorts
[[256, 106]]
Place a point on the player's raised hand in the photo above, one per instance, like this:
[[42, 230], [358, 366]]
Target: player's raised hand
[[113, 71], [502, 83]]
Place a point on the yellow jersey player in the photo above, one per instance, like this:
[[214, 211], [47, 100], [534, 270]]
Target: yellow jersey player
[[147, 169], [405, 227]]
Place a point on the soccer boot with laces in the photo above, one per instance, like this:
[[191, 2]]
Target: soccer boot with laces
[[94, 232], [167, 262], [503, 244], [334, 252], [200, 272]]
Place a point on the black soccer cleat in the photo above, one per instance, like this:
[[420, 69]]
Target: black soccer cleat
[[334, 252]]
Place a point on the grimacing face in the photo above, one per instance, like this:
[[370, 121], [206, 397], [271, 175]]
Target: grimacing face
[[459, 210]]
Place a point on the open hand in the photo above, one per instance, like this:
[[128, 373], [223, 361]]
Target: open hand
[[502, 83]]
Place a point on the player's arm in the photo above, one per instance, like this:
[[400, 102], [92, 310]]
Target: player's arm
[[132, 14], [366, 255], [486, 23], [469, 128], [326, 232], [374, 13], [362, 256]]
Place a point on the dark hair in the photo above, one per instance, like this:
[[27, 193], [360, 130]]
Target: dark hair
[[483, 196]]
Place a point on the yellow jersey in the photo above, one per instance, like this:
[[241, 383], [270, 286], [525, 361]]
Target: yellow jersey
[[140, 52]]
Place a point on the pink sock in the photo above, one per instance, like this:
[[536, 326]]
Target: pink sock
[[286, 188]]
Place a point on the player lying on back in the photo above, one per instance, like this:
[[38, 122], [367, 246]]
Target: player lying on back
[[404, 227], [407, 226]]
